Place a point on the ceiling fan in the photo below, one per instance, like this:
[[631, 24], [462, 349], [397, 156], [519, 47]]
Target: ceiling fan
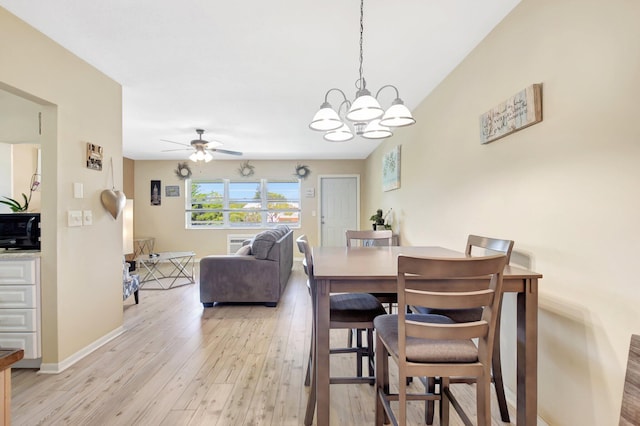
[[203, 148]]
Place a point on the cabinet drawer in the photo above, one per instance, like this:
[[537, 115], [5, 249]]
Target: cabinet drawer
[[17, 296], [17, 272], [30, 342], [20, 320]]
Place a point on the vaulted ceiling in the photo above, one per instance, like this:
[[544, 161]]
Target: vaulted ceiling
[[253, 73]]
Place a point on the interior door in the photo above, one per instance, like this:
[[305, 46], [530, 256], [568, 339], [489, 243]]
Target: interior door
[[339, 208]]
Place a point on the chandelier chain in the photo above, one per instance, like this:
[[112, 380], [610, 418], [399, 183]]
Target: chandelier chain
[[360, 80]]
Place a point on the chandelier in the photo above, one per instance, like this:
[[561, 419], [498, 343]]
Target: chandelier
[[369, 119]]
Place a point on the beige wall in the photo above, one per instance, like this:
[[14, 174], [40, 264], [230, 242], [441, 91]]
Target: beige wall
[[25, 163], [81, 267], [565, 189], [166, 222]]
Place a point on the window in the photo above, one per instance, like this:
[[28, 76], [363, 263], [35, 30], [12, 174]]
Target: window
[[226, 203]]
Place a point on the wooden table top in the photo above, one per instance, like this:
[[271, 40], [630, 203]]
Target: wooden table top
[[381, 262], [10, 356]]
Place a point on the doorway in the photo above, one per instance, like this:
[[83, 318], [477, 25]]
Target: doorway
[[339, 208]]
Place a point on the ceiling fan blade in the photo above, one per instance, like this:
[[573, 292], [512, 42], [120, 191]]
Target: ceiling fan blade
[[225, 151], [179, 149], [177, 143]]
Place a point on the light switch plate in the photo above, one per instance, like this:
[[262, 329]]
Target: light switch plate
[[74, 218], [78, 190], [87, 217]]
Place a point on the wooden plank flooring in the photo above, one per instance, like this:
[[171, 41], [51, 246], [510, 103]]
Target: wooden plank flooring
[[180, 364]]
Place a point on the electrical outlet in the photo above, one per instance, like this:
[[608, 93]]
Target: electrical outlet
[[87, 217], [74, 218]]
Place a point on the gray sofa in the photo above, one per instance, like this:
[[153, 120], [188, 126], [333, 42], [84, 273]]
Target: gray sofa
[[257, 273]]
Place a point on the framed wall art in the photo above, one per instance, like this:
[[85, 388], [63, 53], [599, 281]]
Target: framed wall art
[[172, 191], [94, 156], [156, 192], [391, 169]]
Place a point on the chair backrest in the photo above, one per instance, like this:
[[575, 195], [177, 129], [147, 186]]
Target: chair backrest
[[365, 237], [493, 244], [630, 410], [482, 279], [303, 246]]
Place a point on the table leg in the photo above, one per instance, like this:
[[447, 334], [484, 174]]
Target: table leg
[[527, 387], [322, 353]]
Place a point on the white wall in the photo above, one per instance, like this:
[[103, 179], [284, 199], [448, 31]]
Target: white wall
[[565, 189]]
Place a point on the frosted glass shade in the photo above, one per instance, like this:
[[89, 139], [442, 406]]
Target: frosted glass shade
[[397, 115], [325, 119], [342, 134], [375, 130], [364, 108]]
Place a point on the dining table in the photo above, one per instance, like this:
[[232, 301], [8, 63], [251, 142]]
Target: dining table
[[374, 270]]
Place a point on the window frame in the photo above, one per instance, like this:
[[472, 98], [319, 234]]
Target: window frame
[[265, 211]]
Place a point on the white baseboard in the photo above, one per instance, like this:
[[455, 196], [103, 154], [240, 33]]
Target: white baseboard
[[56, 368]]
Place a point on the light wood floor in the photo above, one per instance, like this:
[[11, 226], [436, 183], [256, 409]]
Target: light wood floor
[[180, 364]]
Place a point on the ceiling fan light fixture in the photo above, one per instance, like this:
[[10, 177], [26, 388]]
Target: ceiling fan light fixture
[[207, 157], [193, 157]]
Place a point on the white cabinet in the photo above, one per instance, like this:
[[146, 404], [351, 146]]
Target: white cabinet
[[20, 305]]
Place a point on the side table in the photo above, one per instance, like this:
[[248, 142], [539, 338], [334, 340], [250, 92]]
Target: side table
[[182, 263]]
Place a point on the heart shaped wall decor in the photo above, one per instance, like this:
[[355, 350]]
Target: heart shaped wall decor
[[113, 201]]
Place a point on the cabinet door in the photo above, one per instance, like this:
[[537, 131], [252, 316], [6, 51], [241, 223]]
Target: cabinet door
[[27, 341], [18, 320], [17, 272]]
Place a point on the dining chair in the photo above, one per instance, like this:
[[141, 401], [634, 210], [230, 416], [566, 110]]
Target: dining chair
[[476, 245], [428, 345], [373, 238], [346, 311]]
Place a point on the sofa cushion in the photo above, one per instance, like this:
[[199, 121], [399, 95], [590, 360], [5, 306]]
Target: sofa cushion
[[262, 243], [244, 251]]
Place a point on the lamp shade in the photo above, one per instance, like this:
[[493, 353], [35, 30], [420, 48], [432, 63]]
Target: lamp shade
[[364, 108], [375, 130], [127, 228], [193, 157], [342, 134], [207, 157], [397, 115], [326, 119]]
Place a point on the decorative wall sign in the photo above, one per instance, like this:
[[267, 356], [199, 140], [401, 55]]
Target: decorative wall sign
[[156, 195], [246, 169], [519, 111], [172, 191], [94, 156], [183, 171], [391, 169], [302, 171]]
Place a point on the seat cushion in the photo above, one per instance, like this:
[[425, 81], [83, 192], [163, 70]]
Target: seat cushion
[[458, 315], [355, 307], [426, 350]]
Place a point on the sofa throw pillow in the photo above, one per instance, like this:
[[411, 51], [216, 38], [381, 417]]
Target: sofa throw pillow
[[262, 244], [244, 251]]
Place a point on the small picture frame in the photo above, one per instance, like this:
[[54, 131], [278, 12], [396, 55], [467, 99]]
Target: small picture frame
[[94, 156], [156, 192], [172, 191], [391, 169]]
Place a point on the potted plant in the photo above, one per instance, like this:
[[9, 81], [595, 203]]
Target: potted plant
[[15, 205], [379, 219]]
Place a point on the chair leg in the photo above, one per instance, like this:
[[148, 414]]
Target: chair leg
[[429, 405], [483, 395], [359, 353], [382, 381], [444, 401], [370, 355], [311, 401], [496, 366], [312, 347]]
